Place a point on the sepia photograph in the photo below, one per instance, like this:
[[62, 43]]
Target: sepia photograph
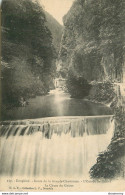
[[62, 95]]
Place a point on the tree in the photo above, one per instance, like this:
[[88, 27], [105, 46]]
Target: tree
[[78, 87], [28, 50]]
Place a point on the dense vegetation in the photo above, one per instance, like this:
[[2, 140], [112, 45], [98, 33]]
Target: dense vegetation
[[78, 87], [56, 30], [111, 163], [28, 55], [94, 39], [103, 92]]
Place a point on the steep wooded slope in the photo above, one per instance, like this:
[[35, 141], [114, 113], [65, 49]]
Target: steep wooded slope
[[94, 39], [56, 30], [28, 54]]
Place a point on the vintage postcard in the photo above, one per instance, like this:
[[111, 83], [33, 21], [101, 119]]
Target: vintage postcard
[[62, 93]]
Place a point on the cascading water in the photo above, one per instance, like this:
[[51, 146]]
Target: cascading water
[[59, 146]]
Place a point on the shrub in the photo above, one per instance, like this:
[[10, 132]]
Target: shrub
[[78, 87], [102, 92]]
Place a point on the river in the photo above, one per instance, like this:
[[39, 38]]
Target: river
[[60, 137], [56, 103]]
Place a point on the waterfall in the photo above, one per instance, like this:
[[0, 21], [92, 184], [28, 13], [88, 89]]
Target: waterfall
[[59, 146]]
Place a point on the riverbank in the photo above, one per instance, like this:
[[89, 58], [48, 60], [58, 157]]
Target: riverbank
[[102, 92], [97, 102], [23, 99], [110, 163], [55, 103]]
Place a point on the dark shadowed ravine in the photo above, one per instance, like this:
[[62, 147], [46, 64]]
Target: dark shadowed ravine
[[56, 103]]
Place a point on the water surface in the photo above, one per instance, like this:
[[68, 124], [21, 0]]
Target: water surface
[[56, 103]]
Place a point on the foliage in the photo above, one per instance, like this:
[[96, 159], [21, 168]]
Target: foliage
[[102, 92], [112, 34], [56, 30], [95, 24], [109, 164], [77, 87], [85, 61], [27, 49]]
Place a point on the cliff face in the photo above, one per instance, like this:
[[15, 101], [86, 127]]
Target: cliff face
[[56, 30], [93, 39]]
